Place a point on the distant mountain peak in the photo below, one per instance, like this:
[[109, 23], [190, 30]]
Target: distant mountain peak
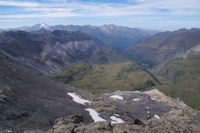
[[40, 26]]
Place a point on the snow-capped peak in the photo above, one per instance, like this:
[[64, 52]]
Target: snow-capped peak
[[40, 26]]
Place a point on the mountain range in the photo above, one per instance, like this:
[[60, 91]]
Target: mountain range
[[119, 37], [99, 79], [53, 51], [85, 59]]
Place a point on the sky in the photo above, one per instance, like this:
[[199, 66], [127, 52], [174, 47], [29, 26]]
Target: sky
[[147, 14]]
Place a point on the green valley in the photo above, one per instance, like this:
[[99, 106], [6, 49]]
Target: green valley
[[99, 78]]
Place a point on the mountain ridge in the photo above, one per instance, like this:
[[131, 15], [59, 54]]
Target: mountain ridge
[[150, 51], [120, 37]]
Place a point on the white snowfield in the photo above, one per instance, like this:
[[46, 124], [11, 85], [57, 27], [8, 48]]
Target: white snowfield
[[77, 99], [115, 120], [136, 99], [117, 97], [95, 116], [156, 116]]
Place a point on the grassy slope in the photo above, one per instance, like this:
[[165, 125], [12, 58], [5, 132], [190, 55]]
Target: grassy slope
[[109, 77], [181, 78]]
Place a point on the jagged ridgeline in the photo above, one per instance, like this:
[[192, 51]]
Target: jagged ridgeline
[[108, 77]]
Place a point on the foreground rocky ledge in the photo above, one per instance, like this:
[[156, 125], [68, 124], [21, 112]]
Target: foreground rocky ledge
[[177, 120], [126, 112]]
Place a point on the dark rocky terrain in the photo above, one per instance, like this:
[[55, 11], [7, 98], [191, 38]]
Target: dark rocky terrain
[[174, 121], [31, 101]]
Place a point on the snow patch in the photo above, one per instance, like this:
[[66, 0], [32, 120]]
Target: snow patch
[[117, 97], [95, 116], [148, 112], [116, 115], [156, 116], [152, 91], [77, 99], [153, 98], [115, 120], [197, 48], [136, 99]]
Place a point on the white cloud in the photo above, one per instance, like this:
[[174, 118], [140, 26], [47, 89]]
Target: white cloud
[[49, 9], [63, 8], [21, 4], [44, 15]]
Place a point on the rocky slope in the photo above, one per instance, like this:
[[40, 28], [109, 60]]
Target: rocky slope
[[151, 51], [51, 52], [129, 112], [31, 101], [175, 121]]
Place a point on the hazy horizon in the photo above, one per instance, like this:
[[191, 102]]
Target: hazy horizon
[[146, 14], [161, 30]]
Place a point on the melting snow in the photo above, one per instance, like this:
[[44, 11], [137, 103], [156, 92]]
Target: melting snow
[[95, 116], [117, 97], [136, 99], [77, 99], [156, 116], [116, 120]]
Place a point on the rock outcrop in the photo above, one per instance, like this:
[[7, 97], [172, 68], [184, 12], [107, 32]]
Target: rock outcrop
[[177, 120]]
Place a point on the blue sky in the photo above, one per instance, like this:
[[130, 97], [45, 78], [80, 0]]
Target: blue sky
[[148, 14]]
